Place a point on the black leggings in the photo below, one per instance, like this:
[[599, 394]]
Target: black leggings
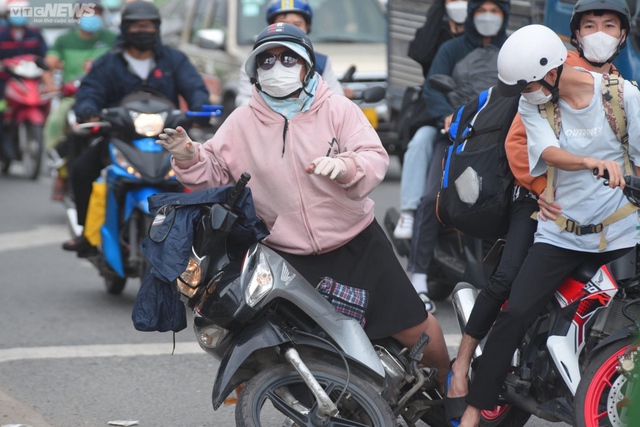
[[84, 170], [519, 240], [544, 269]]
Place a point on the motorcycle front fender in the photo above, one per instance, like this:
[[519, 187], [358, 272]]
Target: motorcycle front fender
[[255, 337], [266, 334], [618, 335]]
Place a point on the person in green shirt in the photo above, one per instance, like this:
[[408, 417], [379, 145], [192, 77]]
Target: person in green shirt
[[73, 53]]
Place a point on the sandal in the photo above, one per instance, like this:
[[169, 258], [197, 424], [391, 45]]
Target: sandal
[[454, 407]]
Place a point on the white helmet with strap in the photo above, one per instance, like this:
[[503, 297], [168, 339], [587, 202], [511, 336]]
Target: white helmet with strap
[[527, 56]]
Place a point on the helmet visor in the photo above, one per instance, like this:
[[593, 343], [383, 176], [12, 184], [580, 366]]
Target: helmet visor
[[509, 90]]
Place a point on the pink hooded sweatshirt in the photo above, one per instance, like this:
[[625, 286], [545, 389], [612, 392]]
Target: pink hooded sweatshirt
[[306, 213]]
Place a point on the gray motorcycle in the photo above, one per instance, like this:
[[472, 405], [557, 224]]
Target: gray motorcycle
[[296, 360]]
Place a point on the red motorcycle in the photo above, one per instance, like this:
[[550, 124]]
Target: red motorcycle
[[26, 111]]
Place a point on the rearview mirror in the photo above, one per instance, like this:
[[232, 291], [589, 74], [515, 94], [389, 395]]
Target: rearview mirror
[[162, 223], [210, 38]]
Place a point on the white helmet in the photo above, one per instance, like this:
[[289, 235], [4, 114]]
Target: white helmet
[[527, 56]]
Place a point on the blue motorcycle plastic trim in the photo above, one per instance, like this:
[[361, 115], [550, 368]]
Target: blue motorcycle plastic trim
[[138, 199], [109, 233], [147, 145], [201, 113]]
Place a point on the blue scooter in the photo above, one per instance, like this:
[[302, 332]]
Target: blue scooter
[[139, 168]]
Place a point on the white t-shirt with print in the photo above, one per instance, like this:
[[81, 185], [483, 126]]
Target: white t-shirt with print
[[584, 198]]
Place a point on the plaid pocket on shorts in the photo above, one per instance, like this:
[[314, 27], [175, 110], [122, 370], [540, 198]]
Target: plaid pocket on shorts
[[347, 300]]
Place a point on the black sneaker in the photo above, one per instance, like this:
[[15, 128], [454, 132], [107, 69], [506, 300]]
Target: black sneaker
[[80, 245]]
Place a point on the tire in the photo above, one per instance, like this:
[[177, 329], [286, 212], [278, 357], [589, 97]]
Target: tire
[[361, 403], [31, 146], [114, 284], [598, 400], [504, 416]]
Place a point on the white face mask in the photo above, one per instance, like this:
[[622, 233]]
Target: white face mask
[[457, 11], [280, 81], [488, 24], [598, 47], [537, 97]]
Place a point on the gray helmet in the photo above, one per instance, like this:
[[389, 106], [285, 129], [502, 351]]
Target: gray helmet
[[620, 7]]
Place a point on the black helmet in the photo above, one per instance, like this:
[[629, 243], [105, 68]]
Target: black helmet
[[582, 6], [140, 10], [300, 7], [282, 34]]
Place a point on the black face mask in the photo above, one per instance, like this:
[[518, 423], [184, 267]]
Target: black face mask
[[142, 41]]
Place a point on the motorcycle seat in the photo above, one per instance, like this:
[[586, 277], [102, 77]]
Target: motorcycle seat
[[585, 271]]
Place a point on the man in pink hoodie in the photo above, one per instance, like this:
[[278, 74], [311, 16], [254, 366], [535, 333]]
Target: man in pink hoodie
[[314, 158]]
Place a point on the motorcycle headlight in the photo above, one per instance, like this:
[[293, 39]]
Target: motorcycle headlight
[[260, 284], [209, 336], [122, 161], [148, 124]]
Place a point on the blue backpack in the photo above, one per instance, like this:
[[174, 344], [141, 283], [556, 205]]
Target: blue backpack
[[477, 183]]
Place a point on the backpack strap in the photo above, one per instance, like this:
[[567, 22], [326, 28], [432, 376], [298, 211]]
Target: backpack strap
[[551, 111], [613, 101]]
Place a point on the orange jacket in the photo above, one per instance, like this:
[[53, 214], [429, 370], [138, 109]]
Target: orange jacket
[[516, 143]]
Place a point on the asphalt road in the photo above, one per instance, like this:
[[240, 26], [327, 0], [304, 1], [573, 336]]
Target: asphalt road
[[69, 355]]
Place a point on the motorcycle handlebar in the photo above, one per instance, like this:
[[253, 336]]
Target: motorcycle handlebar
[[631, 189], [237, 189]]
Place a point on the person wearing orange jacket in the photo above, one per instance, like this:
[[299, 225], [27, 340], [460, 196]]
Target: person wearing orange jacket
[[589, 17]]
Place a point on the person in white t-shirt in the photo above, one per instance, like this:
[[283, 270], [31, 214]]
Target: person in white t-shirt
[[531, 63]]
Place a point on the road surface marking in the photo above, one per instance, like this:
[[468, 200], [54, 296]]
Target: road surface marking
[[41, 236], [122, 350]]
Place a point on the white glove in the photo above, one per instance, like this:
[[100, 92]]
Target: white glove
[[178, 143], [332, 167]]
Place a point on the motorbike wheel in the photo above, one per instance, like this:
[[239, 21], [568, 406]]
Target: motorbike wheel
[[114, 284], [504, 416], [31, 143], [600, 399], [261, 404]]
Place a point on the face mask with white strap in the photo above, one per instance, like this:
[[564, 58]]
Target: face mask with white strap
[[598, 47], [280, 81]]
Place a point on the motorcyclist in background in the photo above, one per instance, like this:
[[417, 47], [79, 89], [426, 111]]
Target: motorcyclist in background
[[300, 14], [471, 60], [16, 39], [138, 61], [73, 53]]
